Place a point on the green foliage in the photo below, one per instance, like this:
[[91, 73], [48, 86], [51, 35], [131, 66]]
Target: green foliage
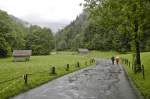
[[5, 35], [39, 40], [62, 45], [109, 25], [19, 33], [15, 35], [72, 36]]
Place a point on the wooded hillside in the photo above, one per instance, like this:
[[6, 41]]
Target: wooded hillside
[[108, 25], [15, 34]]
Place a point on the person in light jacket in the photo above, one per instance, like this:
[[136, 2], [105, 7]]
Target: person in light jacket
[[117, 59]]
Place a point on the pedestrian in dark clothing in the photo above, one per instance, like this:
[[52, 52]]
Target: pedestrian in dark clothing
[[113, 59]]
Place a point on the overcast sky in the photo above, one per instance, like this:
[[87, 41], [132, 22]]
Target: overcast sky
[[36, 11]]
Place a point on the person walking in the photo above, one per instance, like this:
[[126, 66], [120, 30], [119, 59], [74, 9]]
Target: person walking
[[113, 59], [117, 60]]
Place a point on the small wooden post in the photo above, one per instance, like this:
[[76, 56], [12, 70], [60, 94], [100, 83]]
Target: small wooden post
[[53, 71], [92, 60], [25, 79], [67, 68], [129, 64], [143, 72], [78, 64]]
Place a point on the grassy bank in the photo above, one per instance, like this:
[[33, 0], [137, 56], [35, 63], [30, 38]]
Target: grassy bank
[[39, 68], [142, 84]]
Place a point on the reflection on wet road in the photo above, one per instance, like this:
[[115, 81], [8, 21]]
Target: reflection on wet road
[[103, 81]]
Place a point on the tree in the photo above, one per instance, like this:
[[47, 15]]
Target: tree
[[110, 25], [134, 11], [5, 29], [40, 40]]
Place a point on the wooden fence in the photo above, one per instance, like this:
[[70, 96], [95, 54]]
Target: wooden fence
[[52, 71], [132, 66]]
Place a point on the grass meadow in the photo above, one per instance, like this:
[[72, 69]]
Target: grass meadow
[[102, 54], [40, 69], [10, 69]]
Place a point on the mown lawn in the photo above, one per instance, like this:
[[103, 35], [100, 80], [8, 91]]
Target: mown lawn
[[9, 69]]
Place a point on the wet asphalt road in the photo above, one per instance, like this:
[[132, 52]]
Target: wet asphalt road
[[103, 81]]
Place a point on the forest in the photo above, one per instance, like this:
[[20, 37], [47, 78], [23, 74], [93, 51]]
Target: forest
[[16, 35], [104, 25], [108, 25]]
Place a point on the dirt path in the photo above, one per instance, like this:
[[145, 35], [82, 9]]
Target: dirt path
[[103, 81]]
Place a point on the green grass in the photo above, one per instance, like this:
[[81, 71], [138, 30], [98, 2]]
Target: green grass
[[103, 54], [9, 69], [142, 84]]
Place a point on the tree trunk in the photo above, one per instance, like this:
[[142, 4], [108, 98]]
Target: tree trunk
[[137, 45], [138, 57]]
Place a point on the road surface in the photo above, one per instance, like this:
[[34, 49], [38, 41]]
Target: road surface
[[103, 81]]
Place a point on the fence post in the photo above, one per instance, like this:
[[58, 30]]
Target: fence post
[[25, 79], [93, 60], [143, 72], [53, 70], [78, 64], [67, 68]]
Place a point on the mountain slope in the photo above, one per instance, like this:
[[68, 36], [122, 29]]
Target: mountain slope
[[17, 20], [71, 37]]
